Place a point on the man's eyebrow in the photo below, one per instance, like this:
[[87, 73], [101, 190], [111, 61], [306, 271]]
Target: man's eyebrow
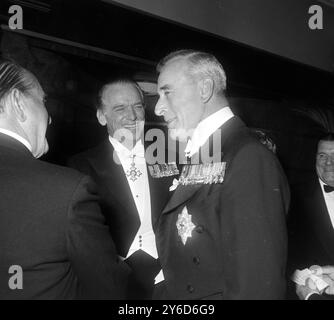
[[165, 87], [122, 105], [118, 106]]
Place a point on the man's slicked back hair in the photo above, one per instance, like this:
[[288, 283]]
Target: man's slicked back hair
[[116, 81], [13, 76]]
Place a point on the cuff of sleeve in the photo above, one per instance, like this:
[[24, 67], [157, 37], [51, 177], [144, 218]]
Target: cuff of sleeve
[[313, 292], [160, 277]]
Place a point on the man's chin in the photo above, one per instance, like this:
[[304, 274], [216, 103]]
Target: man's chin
[[41, 151], [179, 134], [128, 133], [329, 181], [137, 135], [327, 177], [46, 148]]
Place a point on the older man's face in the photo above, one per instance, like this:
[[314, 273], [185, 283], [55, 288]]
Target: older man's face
[[123, 111], [325, 162], [179, 99], [37, 121]]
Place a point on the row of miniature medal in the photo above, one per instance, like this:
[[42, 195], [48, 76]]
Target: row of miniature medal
[[207, 173]]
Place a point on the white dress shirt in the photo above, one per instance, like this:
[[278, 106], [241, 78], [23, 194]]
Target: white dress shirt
[[206, 128], [16, 137], [329, 200], [145, 237]]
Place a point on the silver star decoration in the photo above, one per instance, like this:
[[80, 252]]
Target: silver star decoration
[[184, 225]]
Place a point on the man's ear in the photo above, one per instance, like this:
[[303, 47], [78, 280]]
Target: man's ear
[[206, 89], [18, 105], [101, 117]]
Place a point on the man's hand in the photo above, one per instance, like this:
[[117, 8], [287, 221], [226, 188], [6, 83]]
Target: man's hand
[[326, 273], [304, 292], [328, 276]]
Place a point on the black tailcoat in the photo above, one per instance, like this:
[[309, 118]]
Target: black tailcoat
[[239, 245], [120, 209], [52, 227]]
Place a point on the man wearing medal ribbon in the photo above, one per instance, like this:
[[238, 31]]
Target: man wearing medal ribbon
[[133, 193], [222, 234]]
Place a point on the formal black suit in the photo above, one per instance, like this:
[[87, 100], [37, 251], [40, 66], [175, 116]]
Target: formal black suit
[[311, 234], [238, 247], [310, 228], [121, 213], [51, 226]]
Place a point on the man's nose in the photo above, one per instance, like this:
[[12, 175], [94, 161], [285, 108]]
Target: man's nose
[[132, 113], [329, 161], [159, 109]]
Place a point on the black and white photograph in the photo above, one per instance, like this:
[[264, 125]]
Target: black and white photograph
[[174, 151]]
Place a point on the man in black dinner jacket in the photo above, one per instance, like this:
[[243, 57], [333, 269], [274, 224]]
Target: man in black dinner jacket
[[54, 243], [132, 193], [311, 222]]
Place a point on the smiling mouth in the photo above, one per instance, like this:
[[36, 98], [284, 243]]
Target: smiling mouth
[[131, 126]]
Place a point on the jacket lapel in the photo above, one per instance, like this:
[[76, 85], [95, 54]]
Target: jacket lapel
[[112, 173], [320, 219], [118, 203], [160, 194], [180, 196], [159, 187], [116, 185], [183, 193]]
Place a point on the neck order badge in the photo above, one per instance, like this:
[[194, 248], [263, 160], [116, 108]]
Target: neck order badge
[[133, 173]]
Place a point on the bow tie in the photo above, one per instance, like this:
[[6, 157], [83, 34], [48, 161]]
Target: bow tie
[[328, 188]]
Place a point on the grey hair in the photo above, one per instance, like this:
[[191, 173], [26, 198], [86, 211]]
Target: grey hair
[[13, 76], [99, 103], [201, 65]]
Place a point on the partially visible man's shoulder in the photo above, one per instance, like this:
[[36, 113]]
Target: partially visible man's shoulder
[[55, 183], [306, 184], [58, 173], [89, 154], [244, 140]]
